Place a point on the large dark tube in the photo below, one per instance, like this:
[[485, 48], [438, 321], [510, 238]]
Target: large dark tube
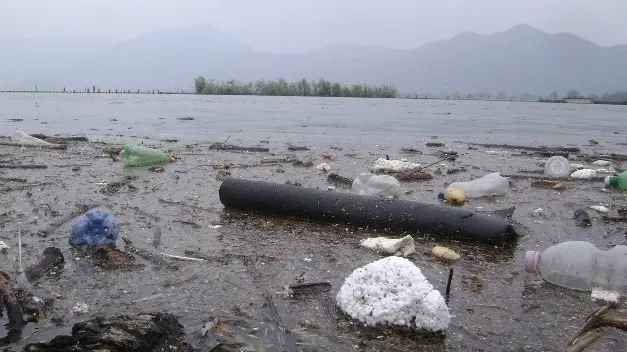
[[375, 212]]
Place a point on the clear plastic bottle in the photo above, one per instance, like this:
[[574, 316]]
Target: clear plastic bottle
[[619, 181], [368, 184], [581, 266], [490, 184]]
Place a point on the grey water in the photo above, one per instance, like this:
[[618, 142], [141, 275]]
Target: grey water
[[309, 119]]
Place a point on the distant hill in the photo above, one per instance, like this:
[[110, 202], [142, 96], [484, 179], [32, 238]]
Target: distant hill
[[520, 60]]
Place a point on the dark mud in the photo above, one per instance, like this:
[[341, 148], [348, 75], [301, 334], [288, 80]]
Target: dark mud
[[244, 260]]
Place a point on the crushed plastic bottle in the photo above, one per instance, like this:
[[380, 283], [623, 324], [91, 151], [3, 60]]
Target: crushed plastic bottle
[[368, 184], [137, 155], [490, 184], [95, 228], [619, 181], [581, 266]]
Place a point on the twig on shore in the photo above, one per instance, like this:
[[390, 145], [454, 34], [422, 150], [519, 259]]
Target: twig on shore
[[179, 257], [591, 329], [22, 166]]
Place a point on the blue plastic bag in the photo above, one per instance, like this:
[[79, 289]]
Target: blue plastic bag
[[95, 228]]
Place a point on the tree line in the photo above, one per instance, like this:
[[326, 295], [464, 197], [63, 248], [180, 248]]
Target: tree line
[[303, 87]]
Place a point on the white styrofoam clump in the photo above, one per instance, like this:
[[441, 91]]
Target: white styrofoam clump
[[3, 246], [600, 208], [324, 167], [393, 291], [367, 184], [384, 165], [393, 246], [584, 174], [602, 163], [599, 294]]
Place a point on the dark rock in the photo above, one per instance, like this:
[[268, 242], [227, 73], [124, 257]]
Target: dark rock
[[582, 218], [434, 144], [160, 332]]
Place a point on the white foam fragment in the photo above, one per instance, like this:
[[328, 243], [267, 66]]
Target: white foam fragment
[[80, 309], [324, 167], [384, 165], [599, 294], [3, 246], [393, 246], [584, 174], [601, 163], [393, 291], [600, 209]]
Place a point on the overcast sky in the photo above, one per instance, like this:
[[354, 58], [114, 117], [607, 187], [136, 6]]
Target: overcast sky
[[303, 25]]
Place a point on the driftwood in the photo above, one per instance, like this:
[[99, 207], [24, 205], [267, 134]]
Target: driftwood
[[339, 180], [9, 301], [592, 327], [21, 166], [60, 140], [26, 145], [543, 149], [230, 147], [51, 258]]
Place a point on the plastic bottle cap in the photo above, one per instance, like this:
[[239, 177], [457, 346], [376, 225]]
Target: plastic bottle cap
[[608, 179], [557, 166], [532, 258]]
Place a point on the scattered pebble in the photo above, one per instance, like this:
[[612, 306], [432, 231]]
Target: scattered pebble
[[445, 253]]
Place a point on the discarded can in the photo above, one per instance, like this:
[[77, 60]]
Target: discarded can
[[95, 228]]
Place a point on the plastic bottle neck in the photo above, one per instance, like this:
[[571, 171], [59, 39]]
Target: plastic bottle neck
[[611, 181]]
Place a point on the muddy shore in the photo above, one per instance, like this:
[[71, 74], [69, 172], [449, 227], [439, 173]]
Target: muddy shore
[[250, 257]]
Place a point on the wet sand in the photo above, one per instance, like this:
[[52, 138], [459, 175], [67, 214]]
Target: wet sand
[[249, 257]]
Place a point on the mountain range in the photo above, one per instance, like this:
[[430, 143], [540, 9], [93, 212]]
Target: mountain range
[[519, 60]]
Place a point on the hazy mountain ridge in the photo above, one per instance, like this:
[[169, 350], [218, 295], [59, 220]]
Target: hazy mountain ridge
[[519, 60]]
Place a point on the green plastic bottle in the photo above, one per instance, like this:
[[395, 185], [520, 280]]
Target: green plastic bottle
[[619, 181], [137, 155]]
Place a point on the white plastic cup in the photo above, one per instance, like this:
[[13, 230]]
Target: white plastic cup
[[557, 167]]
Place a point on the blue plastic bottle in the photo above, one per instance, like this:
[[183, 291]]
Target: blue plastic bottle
[[95, 228]]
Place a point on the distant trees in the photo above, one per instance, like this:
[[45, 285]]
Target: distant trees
[[554, 96], [617, 97], [280, 87], [572, 94]]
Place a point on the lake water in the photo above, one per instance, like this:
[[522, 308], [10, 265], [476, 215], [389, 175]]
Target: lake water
[[310, 119]]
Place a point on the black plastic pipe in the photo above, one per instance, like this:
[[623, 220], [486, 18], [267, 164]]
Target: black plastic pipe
[[366, 211]]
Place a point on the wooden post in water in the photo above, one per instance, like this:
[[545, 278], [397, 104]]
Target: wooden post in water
[[63, 89], [93, 89]]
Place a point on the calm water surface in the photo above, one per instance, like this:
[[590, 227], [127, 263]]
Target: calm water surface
[[309, 120]]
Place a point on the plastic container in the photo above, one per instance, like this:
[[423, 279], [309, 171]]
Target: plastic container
[[557, 167], [95, 228], [619, 181], [491, 184], [581, 266], [137, 155], [367, 184]]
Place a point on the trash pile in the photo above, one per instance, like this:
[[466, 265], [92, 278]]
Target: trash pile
[[389, 292]]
